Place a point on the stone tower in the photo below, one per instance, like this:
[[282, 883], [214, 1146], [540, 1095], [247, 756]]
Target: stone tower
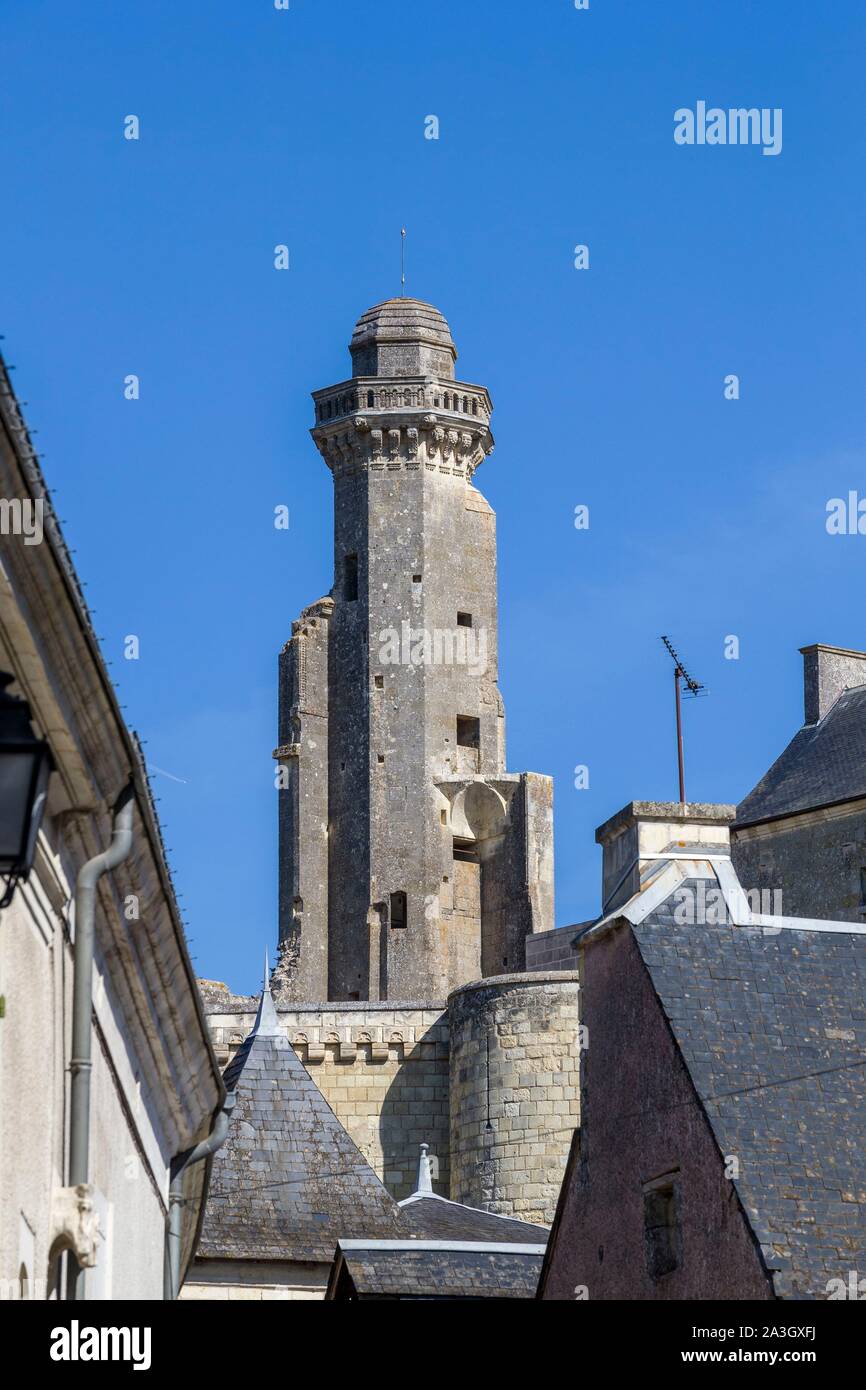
[[410, 860]]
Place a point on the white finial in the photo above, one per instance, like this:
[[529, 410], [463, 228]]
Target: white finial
[[266, 1023], [424, 1181]]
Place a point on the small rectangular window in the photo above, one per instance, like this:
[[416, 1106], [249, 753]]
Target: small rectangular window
[[350, 578], [464, 619], [416, 579], [380, 682], [662, 1238], [398, 909], [468, 731], [863, 890]]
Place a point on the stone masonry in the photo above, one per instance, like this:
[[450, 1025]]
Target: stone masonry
[[515, 1061], [411, 861], [382, 1068]]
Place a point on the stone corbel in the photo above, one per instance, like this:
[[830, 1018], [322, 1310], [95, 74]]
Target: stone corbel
[[75, 1222], [434, 445], [286, 750]]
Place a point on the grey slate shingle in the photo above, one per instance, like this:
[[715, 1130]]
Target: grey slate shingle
[[289, 1181], [443, 1273], [430, 1218], [775, 1043], [824, 763]]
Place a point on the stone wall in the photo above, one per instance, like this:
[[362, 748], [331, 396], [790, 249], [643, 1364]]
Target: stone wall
[[383, 1069], [815, 861], [514, 1091], [554, 950], [261, 1281]]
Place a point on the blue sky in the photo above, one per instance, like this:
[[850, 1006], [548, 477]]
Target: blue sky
[[306, 127]]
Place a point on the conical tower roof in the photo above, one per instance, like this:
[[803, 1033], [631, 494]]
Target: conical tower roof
[[289, 1182]]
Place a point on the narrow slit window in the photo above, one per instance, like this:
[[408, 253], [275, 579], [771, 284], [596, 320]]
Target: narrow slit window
[[398, 909], [662, 1238], [350, 578]]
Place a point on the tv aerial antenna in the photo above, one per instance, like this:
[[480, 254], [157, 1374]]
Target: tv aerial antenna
[[692, 687]]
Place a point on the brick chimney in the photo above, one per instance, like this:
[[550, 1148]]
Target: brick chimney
[[636, 835], [827, 672]]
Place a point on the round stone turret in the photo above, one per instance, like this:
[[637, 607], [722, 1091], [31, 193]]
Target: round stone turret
[[515, 1081], [402, 338]]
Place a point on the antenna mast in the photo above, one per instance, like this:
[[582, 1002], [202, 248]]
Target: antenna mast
[[402, 261], [693, 687]]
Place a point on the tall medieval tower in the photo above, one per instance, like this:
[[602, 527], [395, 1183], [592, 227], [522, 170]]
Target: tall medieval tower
[[410, 861]]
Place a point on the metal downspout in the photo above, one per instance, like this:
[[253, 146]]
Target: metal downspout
[[81, 1063], [179, 1165]]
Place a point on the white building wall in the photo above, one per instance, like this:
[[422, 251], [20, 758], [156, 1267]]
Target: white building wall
[[129, 1157]]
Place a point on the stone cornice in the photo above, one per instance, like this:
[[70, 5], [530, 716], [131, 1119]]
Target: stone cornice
[[378, 442]]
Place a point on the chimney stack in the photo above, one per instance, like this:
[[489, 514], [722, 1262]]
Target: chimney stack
[[827, 673], [638, 835]]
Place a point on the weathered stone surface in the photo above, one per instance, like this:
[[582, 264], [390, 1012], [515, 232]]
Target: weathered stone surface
[[515, 1060], [410, 860], [382, 1068]]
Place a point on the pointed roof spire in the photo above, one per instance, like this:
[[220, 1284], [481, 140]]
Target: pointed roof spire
[[425, 1183], [266, 1024], [311, 1186]]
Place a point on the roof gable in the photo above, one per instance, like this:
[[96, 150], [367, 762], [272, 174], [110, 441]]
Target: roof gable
[[771, 1025]]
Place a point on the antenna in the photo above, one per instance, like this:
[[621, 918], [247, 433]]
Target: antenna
[[693, 687], [402, 261]]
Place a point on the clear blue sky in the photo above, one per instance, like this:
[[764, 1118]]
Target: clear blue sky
[[306, 127]]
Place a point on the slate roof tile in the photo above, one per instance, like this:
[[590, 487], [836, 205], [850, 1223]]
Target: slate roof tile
[[786, 1090], [824, 763]]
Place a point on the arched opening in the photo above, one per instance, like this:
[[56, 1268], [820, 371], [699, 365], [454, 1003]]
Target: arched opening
[[478, 822]]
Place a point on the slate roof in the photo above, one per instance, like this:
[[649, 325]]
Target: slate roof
[[824, 763], [436, 1218], [450, 1273], [771, 1025], [289, 1181]]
